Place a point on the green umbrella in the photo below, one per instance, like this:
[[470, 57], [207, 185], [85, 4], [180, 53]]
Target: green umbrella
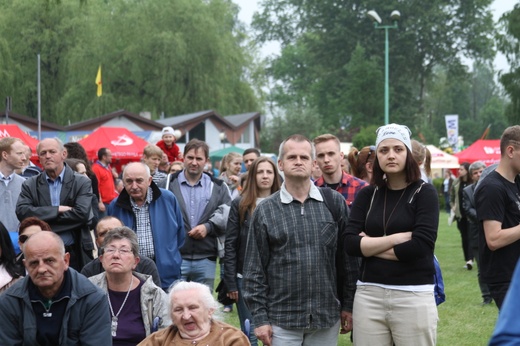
[[217, 155]]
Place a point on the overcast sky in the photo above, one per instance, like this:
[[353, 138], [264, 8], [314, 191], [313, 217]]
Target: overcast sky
[[248, 7]]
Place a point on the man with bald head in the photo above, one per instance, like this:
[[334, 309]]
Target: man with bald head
[[155, 215], [54, 304], [61, 198]]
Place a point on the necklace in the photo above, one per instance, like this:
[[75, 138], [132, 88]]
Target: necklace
[[114, 317], [386, 220]]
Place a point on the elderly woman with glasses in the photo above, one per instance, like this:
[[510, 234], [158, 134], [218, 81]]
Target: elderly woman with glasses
[[137, 306], [192, 306]]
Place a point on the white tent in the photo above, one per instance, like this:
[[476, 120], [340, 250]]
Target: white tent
[[441, 159]]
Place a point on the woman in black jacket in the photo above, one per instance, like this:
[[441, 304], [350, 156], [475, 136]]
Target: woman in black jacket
[[393, 228], [262, 181]]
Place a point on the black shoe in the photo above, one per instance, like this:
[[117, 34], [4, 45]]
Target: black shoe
[[487, 301]]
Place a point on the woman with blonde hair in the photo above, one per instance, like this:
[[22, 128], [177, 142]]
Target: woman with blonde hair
[[230, 172]]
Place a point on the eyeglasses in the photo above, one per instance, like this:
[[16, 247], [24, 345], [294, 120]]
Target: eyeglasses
[[112, 250], [23, 238]]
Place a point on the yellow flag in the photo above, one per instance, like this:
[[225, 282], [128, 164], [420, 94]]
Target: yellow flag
[[99, 83]]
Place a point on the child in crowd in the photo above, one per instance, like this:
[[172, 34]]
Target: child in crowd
[[167, 144]]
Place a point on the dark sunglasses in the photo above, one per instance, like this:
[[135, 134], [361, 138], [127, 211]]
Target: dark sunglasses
[[23, 238]]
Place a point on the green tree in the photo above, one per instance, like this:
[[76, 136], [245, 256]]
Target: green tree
[[508, 43], [294, 119], [171, 56], [365, 137], [432, 33]]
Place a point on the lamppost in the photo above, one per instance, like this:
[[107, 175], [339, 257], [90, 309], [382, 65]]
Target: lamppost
[[394, 16], [223, 138]]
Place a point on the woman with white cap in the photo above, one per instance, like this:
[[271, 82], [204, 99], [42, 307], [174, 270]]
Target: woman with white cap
[[393, 228]]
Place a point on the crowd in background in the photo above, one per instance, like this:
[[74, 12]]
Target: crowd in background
[[312, 245]]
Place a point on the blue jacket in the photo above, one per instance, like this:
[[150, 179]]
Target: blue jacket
[[86, 320], [167, 229], [506, 331]]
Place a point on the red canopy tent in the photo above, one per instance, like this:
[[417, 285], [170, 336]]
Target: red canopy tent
[[15, 131], [486, 150], [124, 145]]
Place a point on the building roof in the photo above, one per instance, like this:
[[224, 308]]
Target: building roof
[[184, 120], [240, 119], [31, 123], [94, 123]]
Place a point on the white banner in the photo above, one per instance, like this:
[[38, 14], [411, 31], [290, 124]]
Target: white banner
[[452, 128]]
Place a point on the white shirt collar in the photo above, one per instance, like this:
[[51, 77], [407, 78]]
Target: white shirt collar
[[287, 198]]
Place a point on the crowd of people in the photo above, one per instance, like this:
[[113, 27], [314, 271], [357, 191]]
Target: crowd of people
[[316, 244]]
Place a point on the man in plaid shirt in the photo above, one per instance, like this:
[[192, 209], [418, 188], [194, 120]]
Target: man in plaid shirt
[[299, 291], [328, 158]]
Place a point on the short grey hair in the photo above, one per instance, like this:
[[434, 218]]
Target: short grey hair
[[476, 166], [148, 172], [56, 139], [120, 233], [299, 139]]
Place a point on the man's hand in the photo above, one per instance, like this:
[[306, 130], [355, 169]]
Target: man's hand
[[346, 322], [264, 334], [233, 295], [63, 208], [101, 206], [198, 232]]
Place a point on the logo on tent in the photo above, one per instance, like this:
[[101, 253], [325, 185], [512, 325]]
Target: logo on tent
[[491, 150], [123, 140], [4, 133]]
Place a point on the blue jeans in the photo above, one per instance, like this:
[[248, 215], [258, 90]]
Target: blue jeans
[[243, 314], [202, 270]]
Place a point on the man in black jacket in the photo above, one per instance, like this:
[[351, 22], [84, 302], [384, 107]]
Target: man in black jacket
[[61, 198], [204, 202]]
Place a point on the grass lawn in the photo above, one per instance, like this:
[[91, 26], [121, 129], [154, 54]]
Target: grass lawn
[[462, 320]]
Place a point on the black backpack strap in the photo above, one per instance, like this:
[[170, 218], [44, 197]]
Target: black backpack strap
[[326, 193]]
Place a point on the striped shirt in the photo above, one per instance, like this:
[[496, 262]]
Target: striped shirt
[[143, 226], [290, 277]]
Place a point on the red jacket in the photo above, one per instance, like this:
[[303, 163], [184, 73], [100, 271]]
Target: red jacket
[[173, 152], [106, 185]]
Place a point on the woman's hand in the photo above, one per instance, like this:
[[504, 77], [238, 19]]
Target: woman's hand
[[399, 238]]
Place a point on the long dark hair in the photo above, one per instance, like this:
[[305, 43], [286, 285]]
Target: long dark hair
[[8, 257], [250, 192], [76, 151], [412, 170]]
